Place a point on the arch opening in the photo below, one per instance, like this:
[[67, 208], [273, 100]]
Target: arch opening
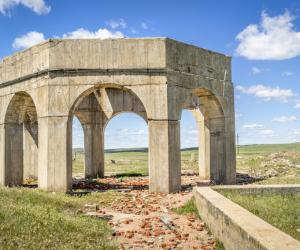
[[21, 141], [210, 126], [126, 145], [189, 140], [90, 115]]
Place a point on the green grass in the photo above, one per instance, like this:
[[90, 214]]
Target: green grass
[[188, 208], [268, 148], [32, 219], [282, 211], [132, 163]]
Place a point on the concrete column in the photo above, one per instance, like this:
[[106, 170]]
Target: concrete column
[[203, 145], [13, 170], [94, 150], [30, 150], [2, 155], [217, 150], [164, 156], [55, 154], [230, 150]]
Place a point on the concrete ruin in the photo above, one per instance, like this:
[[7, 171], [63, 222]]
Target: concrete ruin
[[44, 87]]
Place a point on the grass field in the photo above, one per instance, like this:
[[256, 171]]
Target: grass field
[[269, 164], [282, 211], [126, 162], [27, 216]]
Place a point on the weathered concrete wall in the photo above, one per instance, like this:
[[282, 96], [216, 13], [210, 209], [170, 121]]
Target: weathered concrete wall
[[236, 227], [155, 78]]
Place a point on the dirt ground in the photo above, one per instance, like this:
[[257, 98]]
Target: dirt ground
[[143, 220]]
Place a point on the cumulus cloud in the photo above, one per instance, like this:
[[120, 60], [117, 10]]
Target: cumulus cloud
[[267, 132], [32, 38], [256, 70], [117, 23], [287, 73], [284, 118], [100, 34], [297, 105], [28, 40], [296, 131], [38, 6], [144, 25], [267, 93], [274, 38], [253, 126]]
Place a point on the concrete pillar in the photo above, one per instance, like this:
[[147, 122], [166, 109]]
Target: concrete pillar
[[55, 154], [13, 154], [2, 155], [164, 156], [203, 145], [94, 150], [30, 150], [217, 145]]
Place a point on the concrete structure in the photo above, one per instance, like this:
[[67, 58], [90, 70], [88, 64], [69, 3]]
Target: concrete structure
[[236, 227], [44, 87]]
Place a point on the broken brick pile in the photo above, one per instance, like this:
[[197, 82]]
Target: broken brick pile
[[143, 220]]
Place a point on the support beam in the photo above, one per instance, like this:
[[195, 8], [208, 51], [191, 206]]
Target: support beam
[[30, 138], [217, 150], [13, 156], [94, 150], [55, 154], [164, 156], [203, 145]]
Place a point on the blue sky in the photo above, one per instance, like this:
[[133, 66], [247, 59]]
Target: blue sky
[[263, 38]]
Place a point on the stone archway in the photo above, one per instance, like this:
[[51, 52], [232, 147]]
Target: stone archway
[[211, 126], [21, 140], [95, 109]]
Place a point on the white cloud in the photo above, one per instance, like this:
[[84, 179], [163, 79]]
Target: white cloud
[[144, 25], [133, 30], [297, 105], [28, 40], [296, 131], [284, 118], [267, 93], [117, 23], [38, 6], [238, 115], [253, 126], [100, 34], [256, 70], [267, 132], [287, 73], [32, 38], [274, 38]]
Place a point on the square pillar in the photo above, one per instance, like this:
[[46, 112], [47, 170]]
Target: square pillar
[[217, 150], [94, 150], [30, 138], [13, 154], [164, 156], [204, 150], [55, 154]]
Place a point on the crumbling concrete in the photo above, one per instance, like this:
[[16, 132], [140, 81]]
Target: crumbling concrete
[[47, 85]]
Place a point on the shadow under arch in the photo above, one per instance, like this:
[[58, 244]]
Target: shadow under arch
[[21, 140]]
